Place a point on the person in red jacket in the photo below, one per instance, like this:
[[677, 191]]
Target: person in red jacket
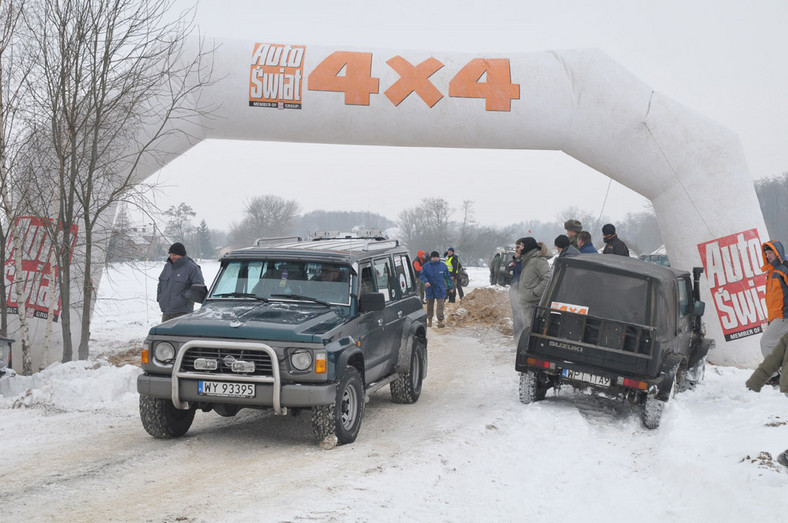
[[418, 263]]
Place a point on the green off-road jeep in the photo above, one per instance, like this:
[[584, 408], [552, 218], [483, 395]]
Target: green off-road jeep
[[616, 326], [291, 325]]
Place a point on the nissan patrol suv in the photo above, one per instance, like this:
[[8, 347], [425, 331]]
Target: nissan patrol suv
[[291, 325], [619, 327]]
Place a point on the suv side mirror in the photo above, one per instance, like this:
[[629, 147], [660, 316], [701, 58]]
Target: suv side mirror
[[700, 308], [372, 301]]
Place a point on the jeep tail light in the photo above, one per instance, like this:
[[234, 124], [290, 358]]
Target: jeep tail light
[[634, 384], [540, 363], [321, 365]]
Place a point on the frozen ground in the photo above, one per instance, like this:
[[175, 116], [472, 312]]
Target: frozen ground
[[73, 448]]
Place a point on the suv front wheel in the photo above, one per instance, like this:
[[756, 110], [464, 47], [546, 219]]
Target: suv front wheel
[[161, 419], [343, 417]]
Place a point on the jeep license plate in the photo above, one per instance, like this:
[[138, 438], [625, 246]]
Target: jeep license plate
[[600, 381], [225, 389]]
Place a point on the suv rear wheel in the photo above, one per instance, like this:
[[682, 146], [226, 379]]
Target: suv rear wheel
[[531, 388], [343, 417], [407, 387]]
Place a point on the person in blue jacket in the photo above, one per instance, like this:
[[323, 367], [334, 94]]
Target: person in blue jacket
[[437, 284], [174, 292]]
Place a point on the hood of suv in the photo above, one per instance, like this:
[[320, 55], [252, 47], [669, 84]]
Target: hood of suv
[[275, 321]]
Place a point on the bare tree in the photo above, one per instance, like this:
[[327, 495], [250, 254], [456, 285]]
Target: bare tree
[[13, 187], [108, 73], [179, 224], [266, 215]]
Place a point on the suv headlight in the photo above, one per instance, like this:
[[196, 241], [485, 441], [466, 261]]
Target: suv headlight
[[164, 351], [301, 359]]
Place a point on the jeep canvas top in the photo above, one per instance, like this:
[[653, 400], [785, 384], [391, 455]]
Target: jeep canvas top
[[291, 324]]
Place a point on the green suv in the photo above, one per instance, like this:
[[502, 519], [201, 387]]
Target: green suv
[[291, 325]]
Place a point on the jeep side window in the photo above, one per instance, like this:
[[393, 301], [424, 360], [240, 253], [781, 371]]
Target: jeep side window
[[367, 280], [684, 297], [386, 283], [405, 279]]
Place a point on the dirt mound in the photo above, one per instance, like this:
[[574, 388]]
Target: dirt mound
[[485, 307]]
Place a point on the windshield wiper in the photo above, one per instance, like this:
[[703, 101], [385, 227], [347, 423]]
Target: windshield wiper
[[239, 295], [301, 297]]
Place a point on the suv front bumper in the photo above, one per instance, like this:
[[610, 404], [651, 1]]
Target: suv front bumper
[[294, 395]]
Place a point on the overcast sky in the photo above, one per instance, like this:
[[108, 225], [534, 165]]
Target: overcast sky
[[722, 58]]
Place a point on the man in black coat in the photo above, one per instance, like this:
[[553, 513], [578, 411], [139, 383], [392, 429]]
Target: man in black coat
[[613, 245]]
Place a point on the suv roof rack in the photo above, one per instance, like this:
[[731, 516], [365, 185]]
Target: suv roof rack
[[370, 234], [259, 242]]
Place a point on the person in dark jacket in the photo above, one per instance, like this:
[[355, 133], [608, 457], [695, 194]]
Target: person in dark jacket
[[437, 283], [174, 291], [564, 246], [585, 243], [613, 245], [454, 265]]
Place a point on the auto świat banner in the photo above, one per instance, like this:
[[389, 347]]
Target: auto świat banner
[[39, 274], [732, 265]]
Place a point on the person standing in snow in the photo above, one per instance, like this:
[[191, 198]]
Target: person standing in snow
[[613, 245], [564, 246], [174, 291], [532, 281], [586, 246], [454, 265], [775, 362], [776, 295], [418, 263], [437, 283], [573, 228]]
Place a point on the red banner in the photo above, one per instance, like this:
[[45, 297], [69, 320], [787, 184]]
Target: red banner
[[732, 265], [39, 274]]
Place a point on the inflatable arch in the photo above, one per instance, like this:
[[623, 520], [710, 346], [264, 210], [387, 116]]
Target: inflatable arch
[[580, 102]]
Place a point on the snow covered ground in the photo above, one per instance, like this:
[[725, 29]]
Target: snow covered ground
[[73, 449]]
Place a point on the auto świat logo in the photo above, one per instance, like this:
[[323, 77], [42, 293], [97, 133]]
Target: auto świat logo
[[276, 74]]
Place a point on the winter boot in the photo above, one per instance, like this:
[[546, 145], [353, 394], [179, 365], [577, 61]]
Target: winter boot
[[783, 458], [429, 322], [441, 324]]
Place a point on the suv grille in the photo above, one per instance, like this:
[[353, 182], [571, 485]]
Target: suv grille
[[224, 357]]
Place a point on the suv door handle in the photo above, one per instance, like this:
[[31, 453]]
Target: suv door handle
[[399, 314], [380, 321]]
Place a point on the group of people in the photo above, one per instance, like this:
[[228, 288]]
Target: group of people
[[577, 241], [438, 281]]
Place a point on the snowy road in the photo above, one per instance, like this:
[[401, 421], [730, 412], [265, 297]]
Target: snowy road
[[467, 451]]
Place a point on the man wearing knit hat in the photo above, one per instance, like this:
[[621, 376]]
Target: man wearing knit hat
[[175, 292], [613, 245], [530, 285], [573, 227], [564, 246]]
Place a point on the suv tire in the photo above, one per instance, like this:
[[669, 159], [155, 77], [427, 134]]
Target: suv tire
[[407, 387], [531, 389], [343, 417], [162, 420]]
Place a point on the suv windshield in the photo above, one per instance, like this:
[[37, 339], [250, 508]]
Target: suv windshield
[[604, 295], [278, 279]]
